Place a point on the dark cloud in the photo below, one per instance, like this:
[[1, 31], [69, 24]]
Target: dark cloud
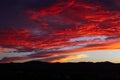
[[40, 4], [12, 14]]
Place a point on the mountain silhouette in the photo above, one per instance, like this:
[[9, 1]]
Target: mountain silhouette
[[35, 70]]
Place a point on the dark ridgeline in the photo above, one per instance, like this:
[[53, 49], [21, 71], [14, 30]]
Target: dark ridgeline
[[60, 71]]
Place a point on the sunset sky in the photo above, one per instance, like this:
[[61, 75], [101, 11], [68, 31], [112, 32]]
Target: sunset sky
[[60, 30]]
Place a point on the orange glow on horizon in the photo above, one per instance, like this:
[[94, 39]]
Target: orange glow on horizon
[[67, 58]]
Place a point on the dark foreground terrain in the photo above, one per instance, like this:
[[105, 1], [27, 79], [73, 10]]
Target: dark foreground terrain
[[57, 71]]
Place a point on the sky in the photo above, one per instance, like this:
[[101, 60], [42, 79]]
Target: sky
[[60, 30]]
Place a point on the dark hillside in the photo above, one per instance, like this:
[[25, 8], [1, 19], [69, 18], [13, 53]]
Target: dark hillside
[[60, 71]]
